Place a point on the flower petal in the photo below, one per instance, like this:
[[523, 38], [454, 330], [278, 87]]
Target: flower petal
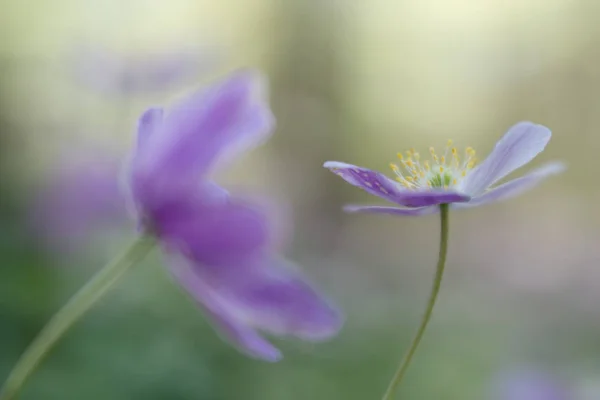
[[82, 199], [517, 147], [418, 211], [515, 187], [235, 331], [531, 384], [370, 181], [212, 228], [380, 185], [265, 294], [230, 115], [274, 296], [148, 124]]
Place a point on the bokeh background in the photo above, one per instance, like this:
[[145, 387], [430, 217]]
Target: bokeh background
[[354, 81]]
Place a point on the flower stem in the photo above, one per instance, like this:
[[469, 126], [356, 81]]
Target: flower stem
[[75, 308], [437, 281]]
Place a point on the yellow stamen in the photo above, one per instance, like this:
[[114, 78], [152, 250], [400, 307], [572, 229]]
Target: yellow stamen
[[447, 170]]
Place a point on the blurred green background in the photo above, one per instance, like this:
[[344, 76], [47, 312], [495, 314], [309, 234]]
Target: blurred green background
[[353, 81]]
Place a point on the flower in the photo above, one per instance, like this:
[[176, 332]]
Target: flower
[[530, 385], [452, 178], [220, 246], [80, 199]]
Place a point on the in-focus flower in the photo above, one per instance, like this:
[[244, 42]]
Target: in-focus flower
[[111, 72], [79, 201], [219, 246], [530, 385], [452, 177]]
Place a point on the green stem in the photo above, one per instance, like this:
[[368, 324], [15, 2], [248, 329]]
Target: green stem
[[91, 292], [437, 281]]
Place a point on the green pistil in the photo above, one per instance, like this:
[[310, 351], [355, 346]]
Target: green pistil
[[441, 180]]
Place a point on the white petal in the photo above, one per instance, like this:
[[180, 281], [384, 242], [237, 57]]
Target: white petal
[[515, 187], [517, 147], [418, 211]]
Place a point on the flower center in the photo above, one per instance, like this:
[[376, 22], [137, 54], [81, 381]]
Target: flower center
[[443, 172]]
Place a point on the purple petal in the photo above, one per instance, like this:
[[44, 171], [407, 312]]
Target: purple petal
[[392, 210], [81, 199], [234, 330], [264, 294], [275, 297], [230, 115], [531, 385], [270, 295], [380, 185], [212, 228], [519, 146], [148, 124], [145, 189], [515, 187]]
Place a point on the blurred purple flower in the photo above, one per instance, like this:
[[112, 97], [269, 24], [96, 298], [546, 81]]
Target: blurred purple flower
[[108, 71], [451, 178], [81, 198], [221, 247], [530, 385]]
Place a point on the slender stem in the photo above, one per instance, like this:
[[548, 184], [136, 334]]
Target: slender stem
[[437, 281], [75, 308]]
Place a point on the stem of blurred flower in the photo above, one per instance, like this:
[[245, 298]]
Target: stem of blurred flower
[[437, 281], [81, 302]]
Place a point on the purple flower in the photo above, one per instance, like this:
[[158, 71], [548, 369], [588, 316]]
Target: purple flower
[[111, 72], [220, 246], [421, 186], [81, 198], [530, 385]]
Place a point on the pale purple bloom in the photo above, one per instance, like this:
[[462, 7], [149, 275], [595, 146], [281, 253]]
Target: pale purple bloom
[[530, 385], [221, 247], [79, 199], [421, 186], [111, 72]]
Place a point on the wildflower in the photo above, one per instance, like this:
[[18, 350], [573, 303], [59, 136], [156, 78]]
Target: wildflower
[[221, 244], [445, 181], [452, 177], [220, 247], [80, 199], [530, 385]]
